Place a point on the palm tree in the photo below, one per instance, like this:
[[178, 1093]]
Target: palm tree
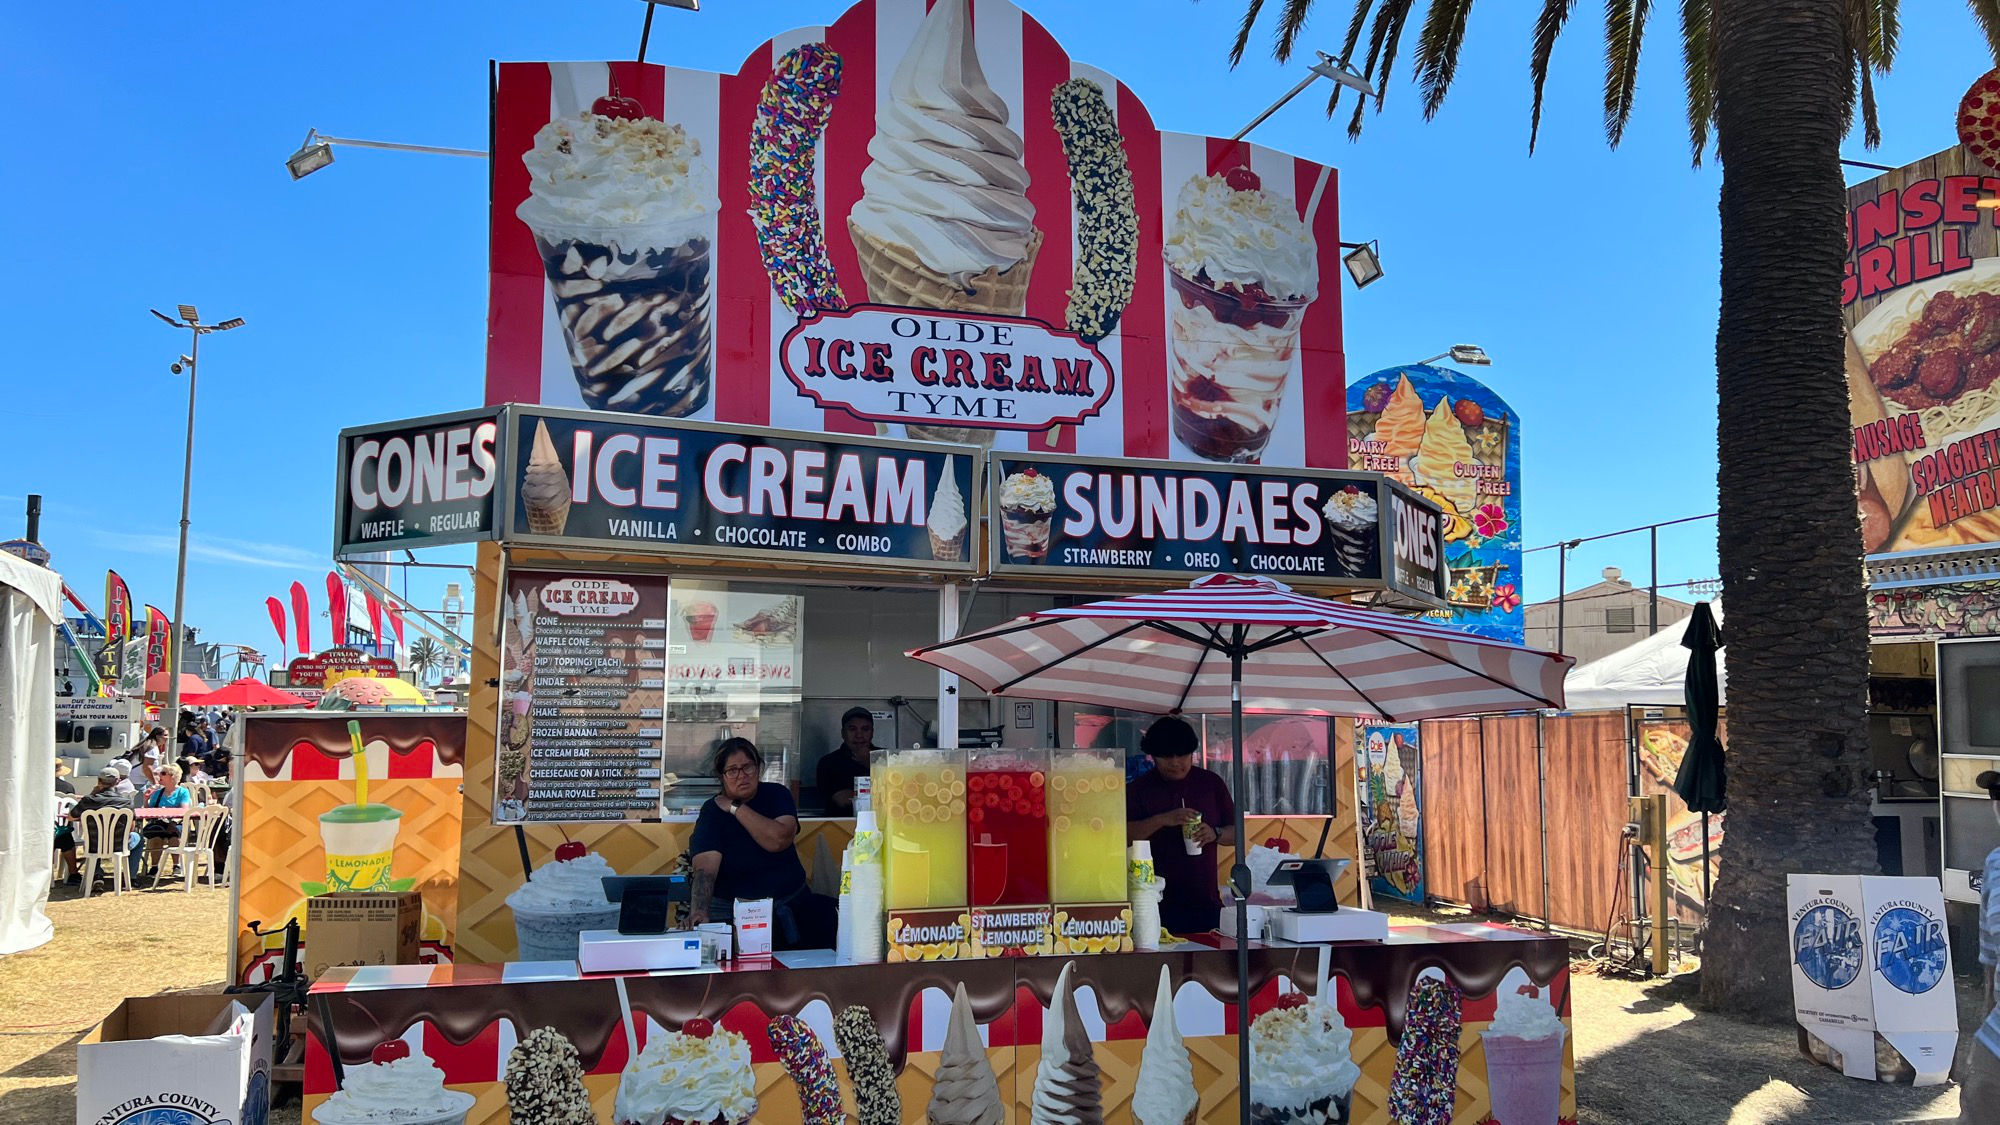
[[1776, 82], [426, 654]]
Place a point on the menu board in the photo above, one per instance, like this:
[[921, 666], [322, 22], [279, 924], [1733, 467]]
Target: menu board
[[583, 677]]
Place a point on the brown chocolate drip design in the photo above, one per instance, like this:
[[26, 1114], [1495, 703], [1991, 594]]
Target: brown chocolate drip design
[[586, 1011], [270, 742], [1382, 975]]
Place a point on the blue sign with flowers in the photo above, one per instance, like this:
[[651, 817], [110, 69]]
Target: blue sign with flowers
[[1449, 437]]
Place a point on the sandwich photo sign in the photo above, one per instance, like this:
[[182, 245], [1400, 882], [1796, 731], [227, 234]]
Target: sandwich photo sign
[[922, 221]]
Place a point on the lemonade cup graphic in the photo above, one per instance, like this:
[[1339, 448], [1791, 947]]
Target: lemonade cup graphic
[[359, 839], [360, 843]]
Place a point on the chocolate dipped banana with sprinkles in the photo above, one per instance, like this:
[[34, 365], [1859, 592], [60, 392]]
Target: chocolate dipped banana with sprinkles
[[876, 1100], [784, 140], [1107, 228]]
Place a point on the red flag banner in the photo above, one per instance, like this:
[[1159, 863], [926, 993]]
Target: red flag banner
[[374, 615], [301, 611], [336, 608], [395, 621], [117, 608], [158, 637], [277, 612]]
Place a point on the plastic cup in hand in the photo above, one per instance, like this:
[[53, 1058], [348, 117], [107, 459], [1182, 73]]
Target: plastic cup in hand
[[1189, 831]]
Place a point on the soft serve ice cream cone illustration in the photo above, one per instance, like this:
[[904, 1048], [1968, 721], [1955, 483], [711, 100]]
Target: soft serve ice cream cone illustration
[[944, 220]]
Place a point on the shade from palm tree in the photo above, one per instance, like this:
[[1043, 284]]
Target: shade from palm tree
[[1775, 85]]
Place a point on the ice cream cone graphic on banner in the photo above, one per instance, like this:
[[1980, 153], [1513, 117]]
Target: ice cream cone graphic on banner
[[944, 220]]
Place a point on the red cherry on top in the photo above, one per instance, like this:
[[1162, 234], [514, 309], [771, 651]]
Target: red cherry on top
[[570, 849], [389, 1052], [1291, 1000], [1030, 472], [1242, 179], [623, 108], [1352, 489], [698, 1028]]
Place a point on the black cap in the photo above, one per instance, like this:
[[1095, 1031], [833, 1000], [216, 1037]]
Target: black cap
[[856, 713], [1989, 781]]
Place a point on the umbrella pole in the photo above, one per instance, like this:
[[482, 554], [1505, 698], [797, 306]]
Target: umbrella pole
[[1239, 881], [1704, 865]]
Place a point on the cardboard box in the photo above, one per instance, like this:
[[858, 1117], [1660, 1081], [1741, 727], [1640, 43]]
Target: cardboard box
[[1871, 976], [362, 928], [203, 1058]]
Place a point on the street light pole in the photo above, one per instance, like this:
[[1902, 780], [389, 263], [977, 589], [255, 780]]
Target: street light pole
[[176, 640]]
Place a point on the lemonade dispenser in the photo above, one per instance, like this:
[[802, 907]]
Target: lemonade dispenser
[[1086, 809], [919, 797]]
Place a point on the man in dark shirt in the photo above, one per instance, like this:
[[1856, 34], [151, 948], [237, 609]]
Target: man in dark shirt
[[849, 760], [105, 796], [1159, 803], [742, 848]]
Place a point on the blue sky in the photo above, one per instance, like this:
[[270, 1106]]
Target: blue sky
[[146, 169]]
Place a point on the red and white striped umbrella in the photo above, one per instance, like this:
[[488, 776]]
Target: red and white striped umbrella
[[1172, 651]]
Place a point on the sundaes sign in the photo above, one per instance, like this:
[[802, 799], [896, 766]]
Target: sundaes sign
[[898, 365]]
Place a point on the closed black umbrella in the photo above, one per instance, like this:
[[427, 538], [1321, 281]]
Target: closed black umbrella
[[1703, 780]]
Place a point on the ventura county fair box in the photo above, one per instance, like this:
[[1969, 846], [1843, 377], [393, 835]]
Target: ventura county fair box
[[362, 928], [177, 1058], [1871, 976]]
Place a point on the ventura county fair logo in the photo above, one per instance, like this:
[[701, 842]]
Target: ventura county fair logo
[[1910, 948], [164, 1109], [992, 372], [1826, 943]]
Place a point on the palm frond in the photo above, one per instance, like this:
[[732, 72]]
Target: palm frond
[[1698, 71], [1548, 28], [1437, 50], [1987, 14], [1624, 31], [1394, 16], [1356, 24], [1291, 22], [1862, 41], [1250, 12], [1888, 32]]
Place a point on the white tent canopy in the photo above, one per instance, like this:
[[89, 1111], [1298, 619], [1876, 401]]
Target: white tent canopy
[[30, 607], [1652, 672]]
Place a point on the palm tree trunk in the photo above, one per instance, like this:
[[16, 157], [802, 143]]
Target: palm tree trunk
[[1790, 541]]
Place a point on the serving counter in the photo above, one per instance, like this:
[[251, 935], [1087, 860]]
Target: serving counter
[[1339, 1031]]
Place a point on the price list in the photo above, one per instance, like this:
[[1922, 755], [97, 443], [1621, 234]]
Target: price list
[[583, 698]]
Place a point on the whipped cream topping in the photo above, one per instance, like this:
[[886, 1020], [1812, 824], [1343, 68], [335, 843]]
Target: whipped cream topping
[[1164, 1093], [1033, 493], [1355, 511], [406, 1089], [571, 884], [1300, 1055], [948, 518], [946, 178], [1521, 1016], [596, 171], [688, 1079], [1243, 238]]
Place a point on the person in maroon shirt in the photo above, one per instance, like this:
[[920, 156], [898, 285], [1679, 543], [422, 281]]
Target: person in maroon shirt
[[1163, 799]]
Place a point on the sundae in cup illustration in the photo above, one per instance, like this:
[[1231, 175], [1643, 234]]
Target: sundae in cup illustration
[[1243, 268]]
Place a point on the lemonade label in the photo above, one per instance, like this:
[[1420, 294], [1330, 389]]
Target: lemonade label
[[929, 935], [1093, 928], [359, 872], [1011, 931]]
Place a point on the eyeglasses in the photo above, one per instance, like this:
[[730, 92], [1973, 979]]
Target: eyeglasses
[[740, 771]]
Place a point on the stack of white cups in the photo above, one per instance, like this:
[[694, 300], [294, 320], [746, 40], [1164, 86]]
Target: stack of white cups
[[860, 938], [1146, 888]]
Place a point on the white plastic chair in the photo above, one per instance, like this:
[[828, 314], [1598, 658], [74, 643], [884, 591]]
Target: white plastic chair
[[199, 790], [101, 838], [196, 851]]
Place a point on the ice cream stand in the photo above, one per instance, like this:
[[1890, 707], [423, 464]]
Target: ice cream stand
[[790, 410]]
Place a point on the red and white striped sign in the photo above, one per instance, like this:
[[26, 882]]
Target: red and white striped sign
[[559, 335]]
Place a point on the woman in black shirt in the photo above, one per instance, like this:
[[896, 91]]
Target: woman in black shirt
[[742, 848]]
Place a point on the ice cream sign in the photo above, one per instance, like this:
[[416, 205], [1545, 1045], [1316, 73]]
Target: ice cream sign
[[923, 220], [1053, 514], [659, 486], [889, 365]]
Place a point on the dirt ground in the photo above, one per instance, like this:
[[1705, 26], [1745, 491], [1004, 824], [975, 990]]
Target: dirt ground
[[1643, 1056]]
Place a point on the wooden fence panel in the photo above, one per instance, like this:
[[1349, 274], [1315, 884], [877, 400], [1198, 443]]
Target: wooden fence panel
[[1454, 812], [1586, 810], [1513, 816]]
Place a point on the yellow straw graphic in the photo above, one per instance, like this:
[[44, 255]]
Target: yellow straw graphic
[[360, 763]]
